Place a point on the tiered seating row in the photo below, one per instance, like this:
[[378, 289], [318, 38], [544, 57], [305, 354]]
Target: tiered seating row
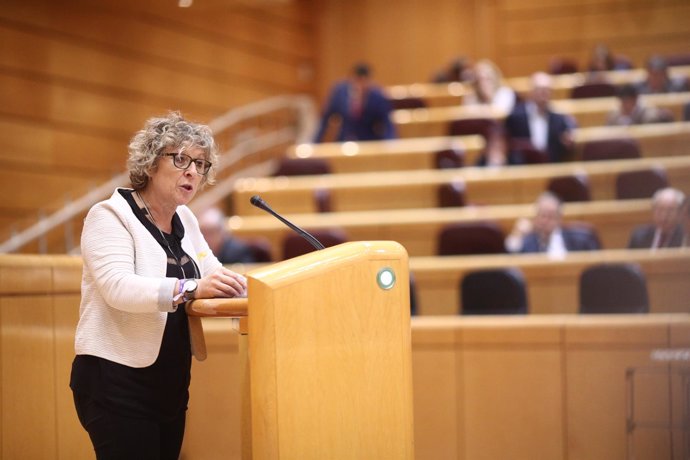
[[440, 94], [417, 229], [552, 284], [388, 190], [418, 189], [655, 140], [435, 121]]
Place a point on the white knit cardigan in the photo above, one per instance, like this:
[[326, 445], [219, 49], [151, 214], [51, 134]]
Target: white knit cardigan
[[125, 295]]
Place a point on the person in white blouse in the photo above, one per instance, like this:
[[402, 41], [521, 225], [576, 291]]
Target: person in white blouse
[[144, 257], [489, 89]]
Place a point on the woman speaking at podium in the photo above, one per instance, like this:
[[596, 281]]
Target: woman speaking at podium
[[144, 256]]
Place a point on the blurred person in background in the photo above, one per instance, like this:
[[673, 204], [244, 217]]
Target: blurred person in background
[[665, 230], [603, 59], [659, 80], [225, 247], [545, 233], [632, 111], [487, 82], [361, 107], [534, 122], [457, 70]]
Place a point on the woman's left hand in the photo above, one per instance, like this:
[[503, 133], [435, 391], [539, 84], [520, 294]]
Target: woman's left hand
[[221, 283]]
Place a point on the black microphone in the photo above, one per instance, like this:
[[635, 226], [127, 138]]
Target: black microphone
[[257, 201]]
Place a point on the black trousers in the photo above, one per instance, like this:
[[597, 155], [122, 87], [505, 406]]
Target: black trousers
[[118, 438]]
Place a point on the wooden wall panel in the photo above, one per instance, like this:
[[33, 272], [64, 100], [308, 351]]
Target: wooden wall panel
[[33, 191], [40, 147], [219, 402], [520, 387], [436, 413], [404, 43], [78, 78], [531, 395], [28, 378], [154, 32], [533, 33], [113, 74], [520, 36], [72, 440]]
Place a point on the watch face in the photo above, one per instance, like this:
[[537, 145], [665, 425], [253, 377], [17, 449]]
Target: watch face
[[190, 286]]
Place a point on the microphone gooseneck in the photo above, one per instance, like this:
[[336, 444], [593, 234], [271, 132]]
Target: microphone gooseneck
[[257, 201]]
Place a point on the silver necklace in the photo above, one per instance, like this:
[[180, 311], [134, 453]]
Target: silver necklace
[[167, 243]]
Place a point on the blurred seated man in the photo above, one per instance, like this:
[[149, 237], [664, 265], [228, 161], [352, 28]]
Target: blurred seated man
[[546, 234], [362, 108], [665, 230], [228, 250], [632, 111], [658, 78], [533, 121]]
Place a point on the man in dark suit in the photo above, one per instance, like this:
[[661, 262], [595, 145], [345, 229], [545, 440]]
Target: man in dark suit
[[533, 123], [665, 231], [546, 233], [362, 108]]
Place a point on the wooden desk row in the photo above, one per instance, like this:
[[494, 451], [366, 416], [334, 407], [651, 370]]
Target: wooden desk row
[[419, 189], [435, 121], [557, 382], [417, 229], [558, 385], [663, 139], [391, 155], [439, 94], [552, 285]]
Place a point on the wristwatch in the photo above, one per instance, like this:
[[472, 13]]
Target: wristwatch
[[189, 290]]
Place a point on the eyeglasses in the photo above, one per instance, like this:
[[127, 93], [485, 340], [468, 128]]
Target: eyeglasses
[[182, 161]]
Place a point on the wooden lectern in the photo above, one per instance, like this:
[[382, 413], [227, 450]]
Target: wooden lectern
[[329, 354]]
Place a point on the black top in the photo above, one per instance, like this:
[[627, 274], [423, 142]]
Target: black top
[[161, 390]]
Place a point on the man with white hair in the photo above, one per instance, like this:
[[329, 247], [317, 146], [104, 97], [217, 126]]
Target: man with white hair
[[546, 233], [228, 250], [665, 230]]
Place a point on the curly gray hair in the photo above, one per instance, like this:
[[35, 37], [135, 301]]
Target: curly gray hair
[[175, 131]]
